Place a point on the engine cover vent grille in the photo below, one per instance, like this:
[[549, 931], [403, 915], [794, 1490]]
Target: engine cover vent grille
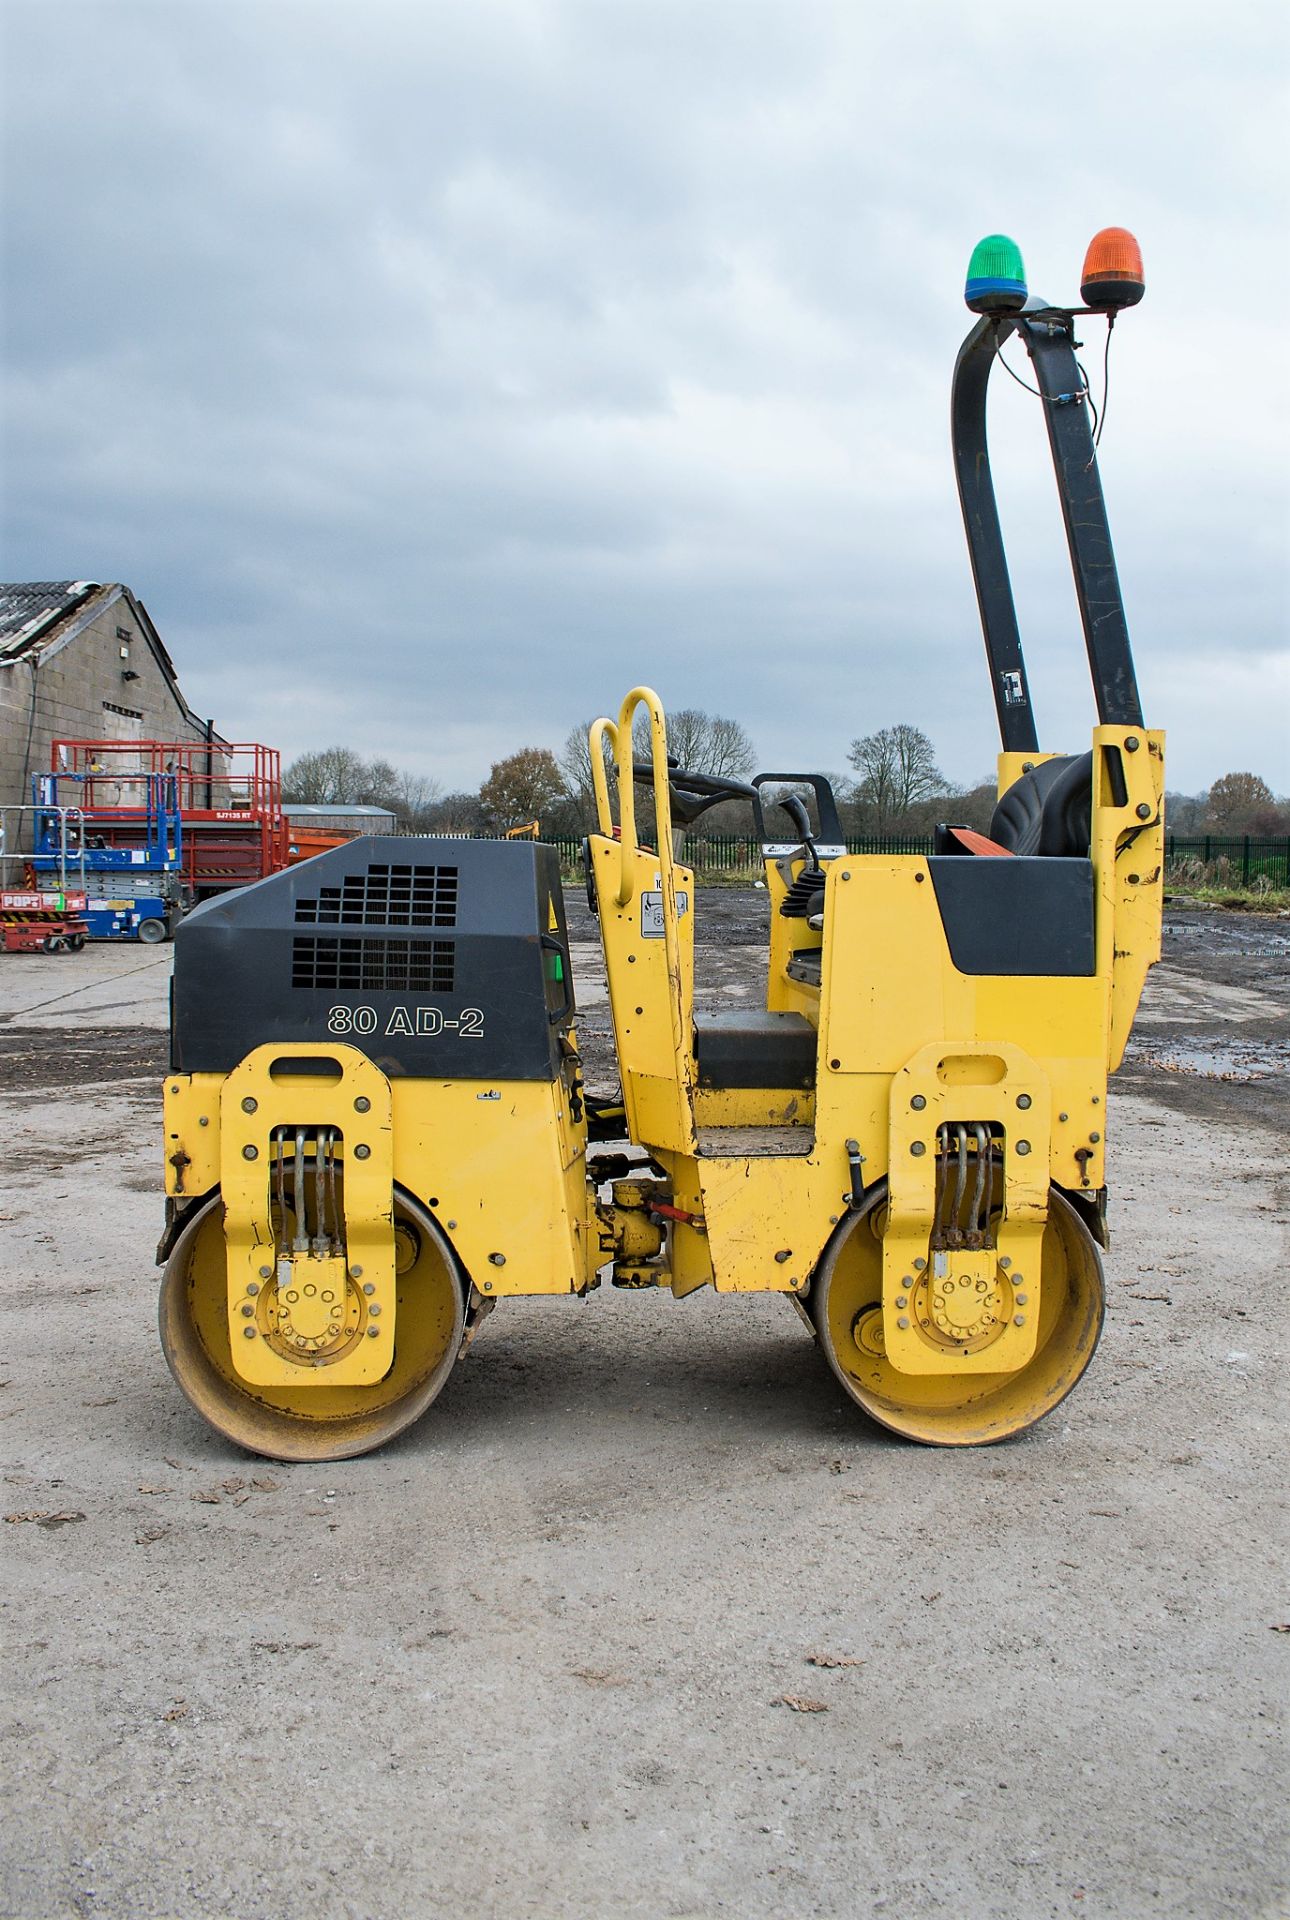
[[373, 966], [387, 895]]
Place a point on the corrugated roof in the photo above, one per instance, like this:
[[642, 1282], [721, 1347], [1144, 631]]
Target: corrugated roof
[[36, 614], [28, 608], [311, 810]]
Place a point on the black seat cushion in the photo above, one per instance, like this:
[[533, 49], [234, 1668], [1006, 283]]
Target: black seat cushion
[[1049, 810]]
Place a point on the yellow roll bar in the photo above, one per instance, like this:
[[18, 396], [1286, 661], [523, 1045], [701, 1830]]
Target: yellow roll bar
[[602, 730], [619, 735]]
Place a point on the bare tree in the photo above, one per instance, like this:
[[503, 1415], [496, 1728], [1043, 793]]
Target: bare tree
[[702, 743], [334, 776], [339, 777], [379, 778], [710, 743], [575, 764], [897, 768], [455, 813], [409, 796], [416, 795], [699, 742]]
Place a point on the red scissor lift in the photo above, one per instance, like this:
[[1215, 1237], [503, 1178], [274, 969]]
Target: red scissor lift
[[229, 797]]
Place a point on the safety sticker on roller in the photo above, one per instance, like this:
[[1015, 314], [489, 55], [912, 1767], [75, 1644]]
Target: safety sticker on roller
[[652, 913]]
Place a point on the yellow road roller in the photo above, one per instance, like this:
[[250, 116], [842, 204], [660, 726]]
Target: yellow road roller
[[376, 1124]]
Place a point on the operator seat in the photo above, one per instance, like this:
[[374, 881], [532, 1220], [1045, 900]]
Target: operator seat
[[1048, 810]]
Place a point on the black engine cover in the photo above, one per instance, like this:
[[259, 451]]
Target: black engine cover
[[437, 958]]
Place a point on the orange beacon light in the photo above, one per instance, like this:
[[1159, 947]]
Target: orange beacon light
[[1112, 276]]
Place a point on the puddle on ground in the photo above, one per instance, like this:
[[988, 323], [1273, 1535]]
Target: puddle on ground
[[1247, 937], [1213, 1060]]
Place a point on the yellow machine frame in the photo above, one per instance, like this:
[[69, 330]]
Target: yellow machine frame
[[919, 1043], [932, 1195]]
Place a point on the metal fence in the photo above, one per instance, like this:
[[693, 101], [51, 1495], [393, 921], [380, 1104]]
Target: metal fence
[[1238, 860], [726, 857], [723, 857], [1235, 860]]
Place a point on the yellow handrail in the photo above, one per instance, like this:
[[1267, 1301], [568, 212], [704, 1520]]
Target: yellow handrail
[[600, 731], [619, 734]]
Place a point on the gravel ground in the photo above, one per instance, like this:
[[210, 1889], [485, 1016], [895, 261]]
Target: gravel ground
[[643, 1619]]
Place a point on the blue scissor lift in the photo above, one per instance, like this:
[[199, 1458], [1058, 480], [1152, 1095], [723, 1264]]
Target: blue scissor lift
[[132, 855]]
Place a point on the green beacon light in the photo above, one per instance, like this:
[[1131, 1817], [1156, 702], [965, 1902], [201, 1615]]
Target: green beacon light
[[996, 276]]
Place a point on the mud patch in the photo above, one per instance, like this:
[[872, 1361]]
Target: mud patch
[[56, 1061]]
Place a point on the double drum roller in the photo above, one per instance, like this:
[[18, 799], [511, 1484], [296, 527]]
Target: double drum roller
[[376, 1123]]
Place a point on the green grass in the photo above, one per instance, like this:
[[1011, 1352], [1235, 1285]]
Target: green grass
[[1235, 899]]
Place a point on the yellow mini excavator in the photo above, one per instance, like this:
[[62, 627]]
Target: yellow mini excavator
[[376, 1125]]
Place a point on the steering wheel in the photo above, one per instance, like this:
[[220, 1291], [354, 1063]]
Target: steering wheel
[[692, 793]]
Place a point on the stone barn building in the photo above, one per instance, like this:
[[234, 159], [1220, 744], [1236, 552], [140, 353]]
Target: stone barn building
[[81, 661]]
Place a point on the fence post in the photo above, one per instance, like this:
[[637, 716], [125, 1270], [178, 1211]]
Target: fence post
[[1205, 855], [1245, 862]]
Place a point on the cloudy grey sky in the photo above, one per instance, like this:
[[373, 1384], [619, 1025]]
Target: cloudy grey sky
[[435, 371]]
